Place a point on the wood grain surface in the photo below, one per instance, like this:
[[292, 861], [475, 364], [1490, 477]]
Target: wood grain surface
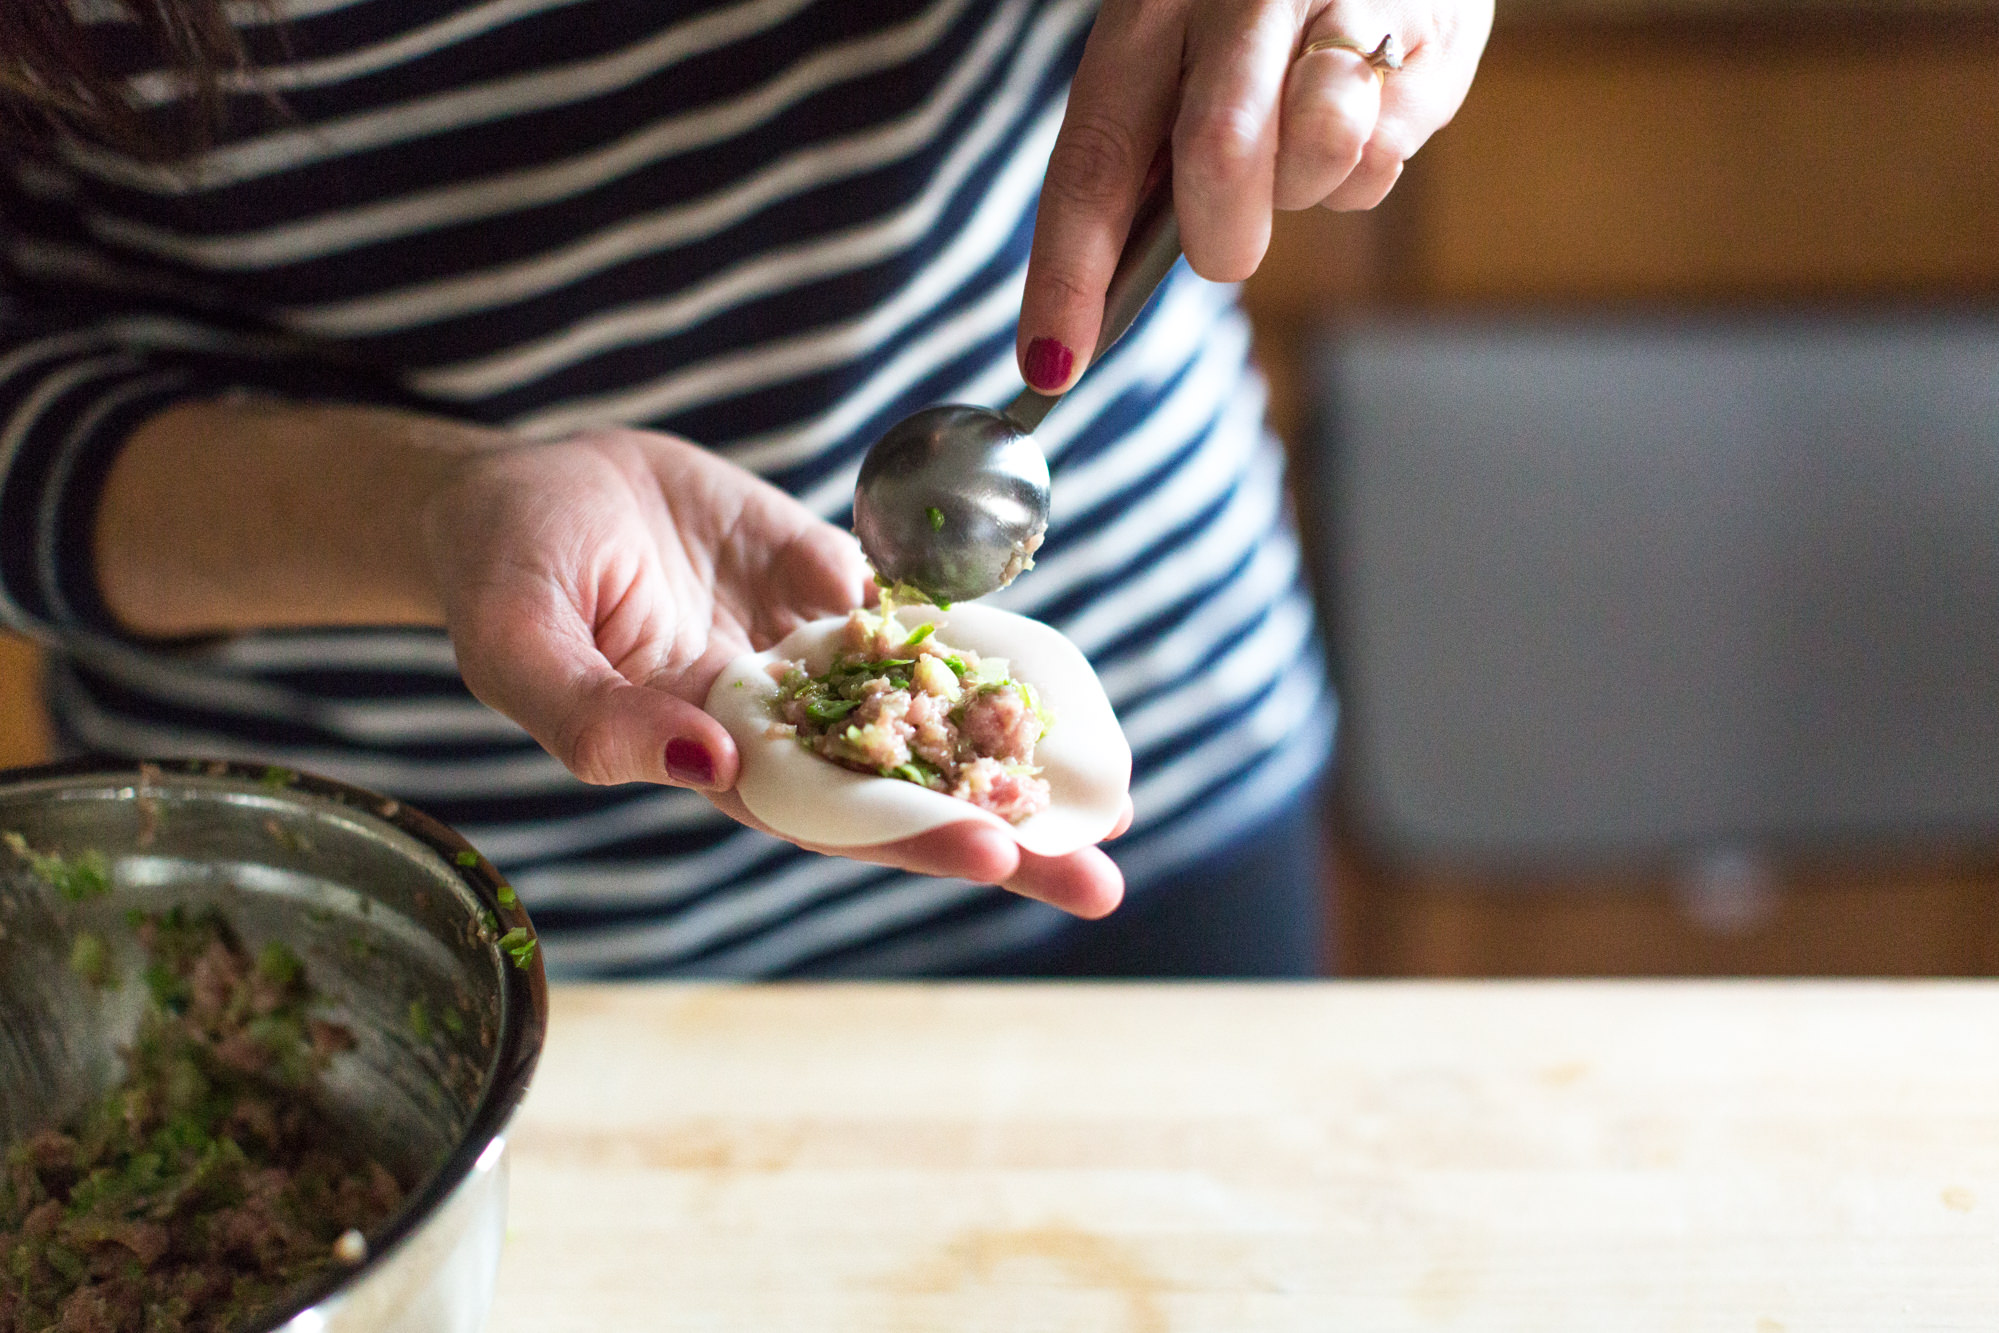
[[1544, 1156]]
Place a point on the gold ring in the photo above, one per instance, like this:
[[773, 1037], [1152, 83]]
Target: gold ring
[[1382, 59]]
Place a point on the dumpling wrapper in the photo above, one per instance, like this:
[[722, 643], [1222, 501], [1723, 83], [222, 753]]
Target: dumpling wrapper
[[1084, 756]]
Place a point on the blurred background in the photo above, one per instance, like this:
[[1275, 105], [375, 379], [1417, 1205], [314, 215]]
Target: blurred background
[[1648, 438], [1647, 443]]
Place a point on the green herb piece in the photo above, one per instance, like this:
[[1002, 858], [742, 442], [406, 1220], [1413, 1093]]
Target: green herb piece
[[90, 958], [467, 858], [936, 517], [453, 1021], [908, 773], [278, 964], [520, 944], [277, 779], [823, 711], [419, 1018], [67, 1263], [919, 634], [86, 875], [507, 895], [957, 665], [169, 990]]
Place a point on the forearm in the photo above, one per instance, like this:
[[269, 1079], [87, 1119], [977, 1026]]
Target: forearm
[[241, 514]]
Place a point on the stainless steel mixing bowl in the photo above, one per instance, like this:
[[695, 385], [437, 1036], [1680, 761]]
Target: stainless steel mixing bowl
[[398, 922]]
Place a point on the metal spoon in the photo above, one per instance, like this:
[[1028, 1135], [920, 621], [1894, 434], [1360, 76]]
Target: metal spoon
[[953, 500]]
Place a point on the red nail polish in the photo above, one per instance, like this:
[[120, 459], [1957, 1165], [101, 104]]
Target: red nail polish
[[1048, 365], [687, 761]]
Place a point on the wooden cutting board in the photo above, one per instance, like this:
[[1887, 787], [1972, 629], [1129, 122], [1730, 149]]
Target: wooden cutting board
[[1036, 1159]]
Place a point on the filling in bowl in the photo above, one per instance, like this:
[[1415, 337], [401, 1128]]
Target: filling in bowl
[[207, 1184], [899, 703]]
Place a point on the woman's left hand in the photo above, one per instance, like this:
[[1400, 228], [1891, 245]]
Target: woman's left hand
[[1254, 121]]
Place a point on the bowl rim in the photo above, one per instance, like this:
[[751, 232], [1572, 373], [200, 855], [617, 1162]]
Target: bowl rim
[[524, 990]]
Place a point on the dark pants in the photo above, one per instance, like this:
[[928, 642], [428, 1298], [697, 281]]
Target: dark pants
[[1253, 908]]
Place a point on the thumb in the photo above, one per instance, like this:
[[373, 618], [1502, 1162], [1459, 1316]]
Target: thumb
[[547, 674]]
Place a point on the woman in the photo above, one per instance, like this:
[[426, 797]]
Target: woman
[[337, 323]]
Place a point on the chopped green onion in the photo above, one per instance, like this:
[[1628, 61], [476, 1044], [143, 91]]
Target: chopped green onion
[[507, 895], [957, 664], [520, 944], [830, 710], [90, 958], [87, 875], [277, 779], [918, 635], [467, 858], [278, 964], [419, 1020], [936, 517]]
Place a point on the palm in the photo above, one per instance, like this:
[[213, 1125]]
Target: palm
[[595, 588]]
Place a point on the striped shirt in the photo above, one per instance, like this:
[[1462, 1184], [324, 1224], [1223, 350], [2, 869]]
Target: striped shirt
[[772, 226]]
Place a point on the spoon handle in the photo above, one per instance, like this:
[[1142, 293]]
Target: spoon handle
[[1151, 249]]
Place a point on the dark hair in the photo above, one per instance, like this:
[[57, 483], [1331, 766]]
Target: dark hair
[[53, 74]]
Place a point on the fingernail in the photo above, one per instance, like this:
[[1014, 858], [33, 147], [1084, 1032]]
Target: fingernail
[[1048, 365], [687, 761]]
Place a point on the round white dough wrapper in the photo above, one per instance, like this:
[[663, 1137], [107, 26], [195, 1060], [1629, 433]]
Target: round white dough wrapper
[[1084, 756]]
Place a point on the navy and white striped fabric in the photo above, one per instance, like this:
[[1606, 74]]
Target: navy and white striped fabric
[[773, 226]]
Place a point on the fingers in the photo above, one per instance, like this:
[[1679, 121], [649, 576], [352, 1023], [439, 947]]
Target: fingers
[[1442, 47], [541, 667], [1370, 181], [1332, 99], [1248, 128], [1120, 107], [1225, 137], [1087, 883], [820, 572]]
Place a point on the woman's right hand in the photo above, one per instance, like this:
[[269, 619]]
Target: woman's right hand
[[595, 587]]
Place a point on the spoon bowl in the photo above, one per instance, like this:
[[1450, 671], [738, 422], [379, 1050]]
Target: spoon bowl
[[952, 501]]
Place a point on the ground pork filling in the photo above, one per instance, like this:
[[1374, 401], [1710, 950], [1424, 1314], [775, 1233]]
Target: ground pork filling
[[205, 1186], [898, 703]]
